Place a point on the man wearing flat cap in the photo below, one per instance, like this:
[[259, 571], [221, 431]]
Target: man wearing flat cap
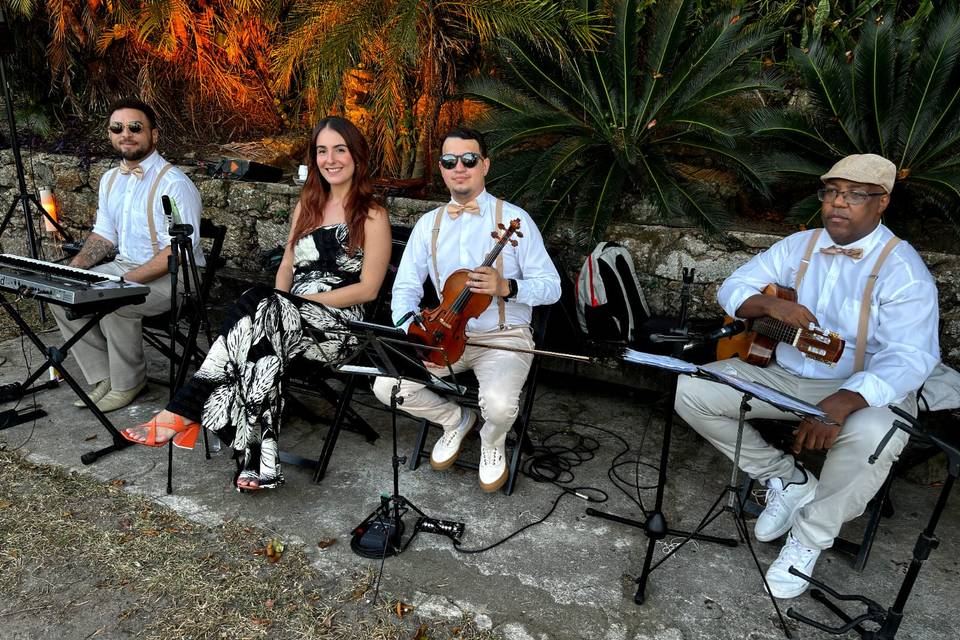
[[856, 278]]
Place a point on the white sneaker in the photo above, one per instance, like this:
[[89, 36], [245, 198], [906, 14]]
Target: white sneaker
[[493, 468], [783, 584], [447, 449], [783, 503]]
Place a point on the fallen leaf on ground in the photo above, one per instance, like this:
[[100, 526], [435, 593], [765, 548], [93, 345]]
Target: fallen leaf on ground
[[402, 608], [274, 550], [6, 503], [119, 482], [89, 438], [326, 542]]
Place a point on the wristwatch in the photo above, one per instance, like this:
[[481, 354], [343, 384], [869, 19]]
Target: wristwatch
[[513, 289]]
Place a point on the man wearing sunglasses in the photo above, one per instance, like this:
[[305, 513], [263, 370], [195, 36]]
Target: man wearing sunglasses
[[458, 236], [131, 231], [853, 277]]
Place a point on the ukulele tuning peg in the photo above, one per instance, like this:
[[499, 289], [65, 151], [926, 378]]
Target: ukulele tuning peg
[[513, 242]]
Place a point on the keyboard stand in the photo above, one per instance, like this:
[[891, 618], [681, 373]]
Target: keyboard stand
[[54, 358]]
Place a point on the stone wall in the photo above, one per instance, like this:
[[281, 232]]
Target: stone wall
[[257, 216]]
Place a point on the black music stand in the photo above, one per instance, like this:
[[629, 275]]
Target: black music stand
[[888, 620], [733, 506], [390, 353], [655, 525], [54, 358]]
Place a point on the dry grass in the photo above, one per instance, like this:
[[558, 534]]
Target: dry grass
[[70, 544]]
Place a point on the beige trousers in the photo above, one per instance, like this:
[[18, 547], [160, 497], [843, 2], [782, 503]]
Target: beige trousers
[[500, 374], [847, 482], [114, 348]]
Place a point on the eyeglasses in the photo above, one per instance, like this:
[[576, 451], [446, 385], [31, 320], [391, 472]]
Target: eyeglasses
[[134, 127], [469, 160], [850, 197]]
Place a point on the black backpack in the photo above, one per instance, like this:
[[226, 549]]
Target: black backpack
[[610, 302]]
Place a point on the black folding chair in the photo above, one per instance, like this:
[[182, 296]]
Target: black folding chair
[[307, 378]]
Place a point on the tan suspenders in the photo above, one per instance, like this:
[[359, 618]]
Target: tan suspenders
[[150, 198], [861, 349], [433, 254], [865, 304]]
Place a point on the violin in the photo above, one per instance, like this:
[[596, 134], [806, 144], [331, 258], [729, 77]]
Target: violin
[[445, 326]]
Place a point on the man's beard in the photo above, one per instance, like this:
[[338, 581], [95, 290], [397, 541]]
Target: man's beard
[[136, 155]]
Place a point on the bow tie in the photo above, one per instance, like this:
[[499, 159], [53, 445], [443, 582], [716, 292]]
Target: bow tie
[[137, 171], [454, 210], [856, 254]]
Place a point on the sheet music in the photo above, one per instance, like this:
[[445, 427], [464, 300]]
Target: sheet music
[[660, 362], [768, 395]]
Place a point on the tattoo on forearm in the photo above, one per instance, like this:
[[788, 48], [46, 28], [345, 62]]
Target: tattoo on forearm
[[94, 251]]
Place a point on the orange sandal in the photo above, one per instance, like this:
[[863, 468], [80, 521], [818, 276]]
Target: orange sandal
[[185, 435]]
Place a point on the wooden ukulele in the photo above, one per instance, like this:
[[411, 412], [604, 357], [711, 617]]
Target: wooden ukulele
[[758, 344], [445, 325]]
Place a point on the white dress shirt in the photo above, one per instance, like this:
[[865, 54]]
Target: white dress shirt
[[463, 243], [121, 217], [902, 334]]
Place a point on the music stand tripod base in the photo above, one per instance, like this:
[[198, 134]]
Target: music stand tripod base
[[380, 535]]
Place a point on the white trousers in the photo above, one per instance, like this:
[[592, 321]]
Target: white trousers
[[847, 482], [500, 374], [114, 348]]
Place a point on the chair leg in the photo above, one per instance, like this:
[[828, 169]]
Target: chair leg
[[515, 456], [418, 446], [749, 506], [334, 431], [870, 533]]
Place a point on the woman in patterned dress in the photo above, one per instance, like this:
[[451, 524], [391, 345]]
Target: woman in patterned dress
[[334, 261]]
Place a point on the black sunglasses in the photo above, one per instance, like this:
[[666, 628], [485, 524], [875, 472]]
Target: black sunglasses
[[133, 127], [469, 160]]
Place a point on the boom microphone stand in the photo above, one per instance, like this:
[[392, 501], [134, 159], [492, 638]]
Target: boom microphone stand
[[655, 525]]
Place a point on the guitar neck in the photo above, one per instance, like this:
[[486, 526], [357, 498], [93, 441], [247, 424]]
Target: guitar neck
[[777, 330]]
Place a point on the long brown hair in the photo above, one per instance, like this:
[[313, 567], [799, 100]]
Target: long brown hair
[[316, 189]]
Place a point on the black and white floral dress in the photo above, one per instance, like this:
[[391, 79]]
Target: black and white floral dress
[[238, 391]]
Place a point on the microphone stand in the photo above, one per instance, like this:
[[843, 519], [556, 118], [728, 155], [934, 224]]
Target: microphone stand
[[181, 264], [655, 525]]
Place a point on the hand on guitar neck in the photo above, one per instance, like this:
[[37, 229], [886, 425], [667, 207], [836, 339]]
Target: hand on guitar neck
[[788, 311], [775, 316]]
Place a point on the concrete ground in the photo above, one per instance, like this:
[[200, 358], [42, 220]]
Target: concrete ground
[[571, 577]]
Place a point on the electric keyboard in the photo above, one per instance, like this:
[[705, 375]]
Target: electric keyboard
[[63, 285]]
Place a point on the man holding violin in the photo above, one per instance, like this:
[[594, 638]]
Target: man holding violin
[[458, 236]]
